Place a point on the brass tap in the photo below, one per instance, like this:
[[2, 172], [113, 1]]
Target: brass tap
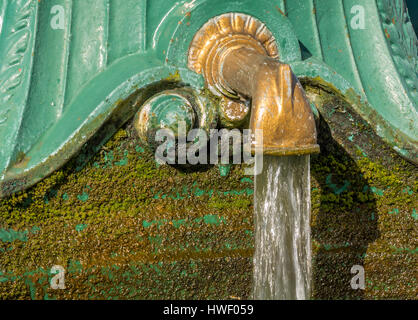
[[241, 63]]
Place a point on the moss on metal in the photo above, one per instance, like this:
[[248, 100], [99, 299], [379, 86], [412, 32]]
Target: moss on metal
[[125, 228], [364, 208]]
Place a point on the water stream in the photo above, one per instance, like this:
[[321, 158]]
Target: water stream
[[282, 260]]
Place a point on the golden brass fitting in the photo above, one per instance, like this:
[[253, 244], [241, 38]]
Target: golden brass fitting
[[237, 55]]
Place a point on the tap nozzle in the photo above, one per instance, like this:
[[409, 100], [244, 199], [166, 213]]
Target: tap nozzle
[[242, 64]]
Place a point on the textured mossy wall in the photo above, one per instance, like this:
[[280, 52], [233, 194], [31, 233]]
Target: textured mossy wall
[[125, 228]]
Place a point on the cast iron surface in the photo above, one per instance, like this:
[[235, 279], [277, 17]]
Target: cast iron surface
[[59, 86]]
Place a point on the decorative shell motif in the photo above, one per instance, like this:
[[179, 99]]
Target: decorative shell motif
[[228, 25]]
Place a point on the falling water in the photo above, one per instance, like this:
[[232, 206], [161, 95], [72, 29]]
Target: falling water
[[282, 260]]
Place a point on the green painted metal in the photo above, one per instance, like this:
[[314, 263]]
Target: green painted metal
[[167, 111], [68, 66], [178, 110], [379, 62]]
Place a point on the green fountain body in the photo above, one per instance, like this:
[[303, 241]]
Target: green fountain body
[[73, 73], [65, 71]]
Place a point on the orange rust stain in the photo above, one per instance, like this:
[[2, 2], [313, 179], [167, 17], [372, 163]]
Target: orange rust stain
[[387, 33], [278, 9]]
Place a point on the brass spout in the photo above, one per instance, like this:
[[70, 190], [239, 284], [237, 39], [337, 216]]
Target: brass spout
[[280, 107], [237, 55]]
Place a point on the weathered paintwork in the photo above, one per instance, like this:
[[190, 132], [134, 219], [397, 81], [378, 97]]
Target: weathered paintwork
[[379, 63], [58, 86], [178, 110], [125, 228], [168, 110]]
